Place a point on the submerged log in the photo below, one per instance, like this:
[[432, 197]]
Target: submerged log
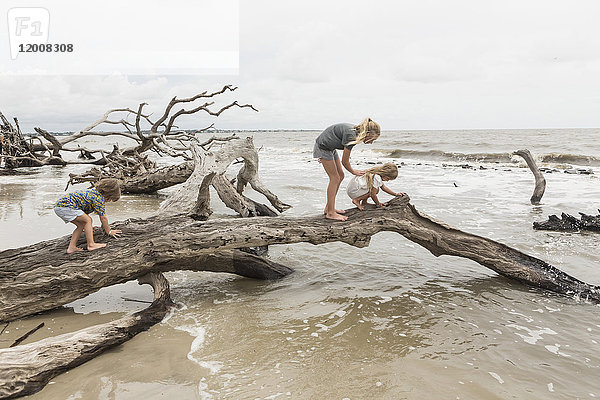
[[570, 223], [26, 369], [42, 276], [540, 181]]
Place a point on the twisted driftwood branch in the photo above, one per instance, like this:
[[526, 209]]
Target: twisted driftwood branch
[[540, 181], [26, 369], [194, 195]]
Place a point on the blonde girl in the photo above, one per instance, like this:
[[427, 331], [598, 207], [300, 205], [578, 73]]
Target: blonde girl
[[341, 137], [360, 188]]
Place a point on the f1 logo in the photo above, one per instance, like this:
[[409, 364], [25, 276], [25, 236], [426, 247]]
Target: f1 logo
[[27, 25]]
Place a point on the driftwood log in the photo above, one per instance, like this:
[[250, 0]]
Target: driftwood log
[[540, 181], [26, 369], [41, 277], [570, 223], [194, 196]]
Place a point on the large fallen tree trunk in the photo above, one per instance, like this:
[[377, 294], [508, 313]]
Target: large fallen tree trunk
[[26, 369], [42, 276], [570, 223]]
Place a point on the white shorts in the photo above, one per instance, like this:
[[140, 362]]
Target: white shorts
[[68, 214]]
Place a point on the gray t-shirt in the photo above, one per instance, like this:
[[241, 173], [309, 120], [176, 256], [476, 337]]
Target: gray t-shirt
[[336, 137]]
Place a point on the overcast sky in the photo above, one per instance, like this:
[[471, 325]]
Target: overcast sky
[[428, 64]]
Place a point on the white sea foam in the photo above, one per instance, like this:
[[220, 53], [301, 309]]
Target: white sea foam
[[534, 334], [198, 332], [496, 377]]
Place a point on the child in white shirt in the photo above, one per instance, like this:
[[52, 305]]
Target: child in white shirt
[[360, 188]]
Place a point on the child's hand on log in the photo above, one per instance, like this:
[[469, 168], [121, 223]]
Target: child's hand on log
[[114, 233]]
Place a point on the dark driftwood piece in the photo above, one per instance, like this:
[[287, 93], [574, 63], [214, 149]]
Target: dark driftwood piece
[[41, 277], [540, 181], [570, 223], [25, 336], [26, 369]]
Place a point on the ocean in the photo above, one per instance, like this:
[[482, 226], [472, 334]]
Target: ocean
[[389, 321]]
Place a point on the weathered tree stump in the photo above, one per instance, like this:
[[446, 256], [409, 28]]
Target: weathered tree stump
[[194, 196], [570, 223], [540, 181]]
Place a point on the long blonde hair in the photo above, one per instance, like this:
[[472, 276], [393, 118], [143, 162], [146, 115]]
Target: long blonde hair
[[364, 129], [387, 170]]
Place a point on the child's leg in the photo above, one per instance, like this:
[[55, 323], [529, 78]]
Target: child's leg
[[75, 236], [373, 195], [88, 229], [332, 189], [361, 201]]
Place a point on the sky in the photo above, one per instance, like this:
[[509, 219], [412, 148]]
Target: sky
[[429, 64]]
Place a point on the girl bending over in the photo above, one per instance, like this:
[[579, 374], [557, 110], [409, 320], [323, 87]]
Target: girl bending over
[[341, 137]]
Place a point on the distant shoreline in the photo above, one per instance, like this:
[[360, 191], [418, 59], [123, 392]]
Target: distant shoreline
[[319, 130]]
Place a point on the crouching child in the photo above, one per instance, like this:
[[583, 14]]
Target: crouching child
[[75, 207]]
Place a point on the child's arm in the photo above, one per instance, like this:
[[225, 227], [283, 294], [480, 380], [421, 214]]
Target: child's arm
[[346, 163], [373, 195], [389, 191], [106, 227]]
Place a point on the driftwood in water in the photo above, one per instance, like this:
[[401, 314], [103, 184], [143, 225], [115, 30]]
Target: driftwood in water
[[540, 181], [26, 369], [570, 223], [42, 276]]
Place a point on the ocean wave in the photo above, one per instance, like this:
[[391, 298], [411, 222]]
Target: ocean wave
[[550, 158], [576, 159], [444, 155]]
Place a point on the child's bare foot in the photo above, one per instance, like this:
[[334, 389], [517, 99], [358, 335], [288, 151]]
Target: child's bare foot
[[73, 250], [357, 204], [336, 217], [96, 246]]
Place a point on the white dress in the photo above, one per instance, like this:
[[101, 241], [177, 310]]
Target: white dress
[[358, 185]]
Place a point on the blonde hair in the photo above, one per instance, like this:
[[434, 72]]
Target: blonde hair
[[387, 170], [366, 128], [109, 188]]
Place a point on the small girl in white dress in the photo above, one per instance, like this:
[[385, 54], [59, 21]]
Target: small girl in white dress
[[360, 188]]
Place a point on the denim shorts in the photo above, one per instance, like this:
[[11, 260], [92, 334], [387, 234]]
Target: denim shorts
[[325, 154], [68, 214]]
